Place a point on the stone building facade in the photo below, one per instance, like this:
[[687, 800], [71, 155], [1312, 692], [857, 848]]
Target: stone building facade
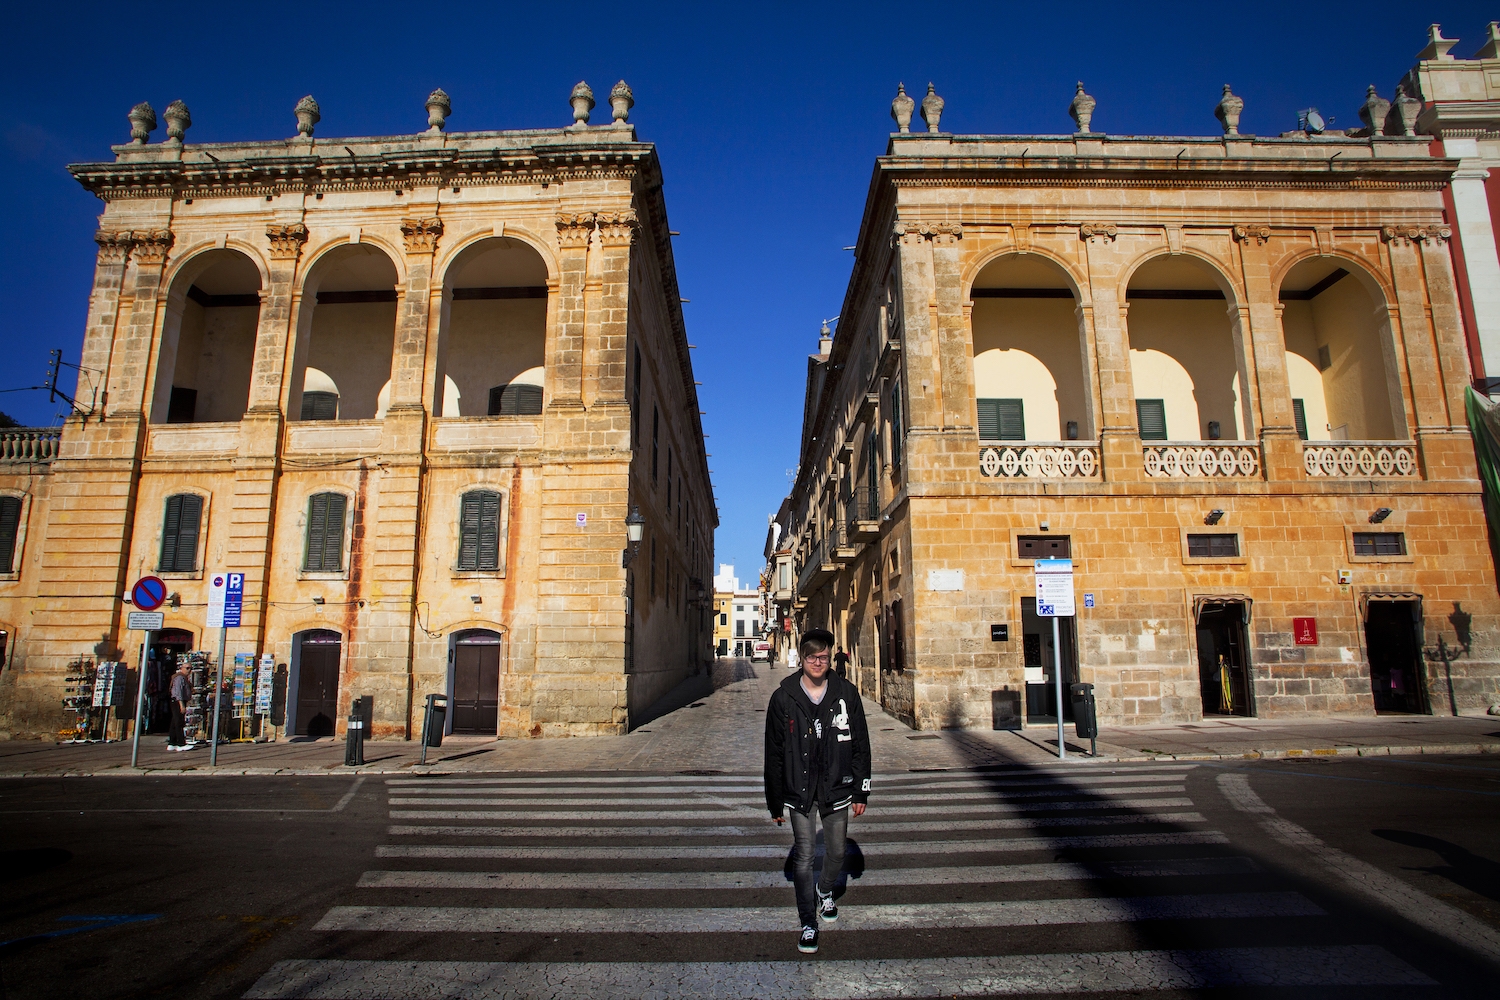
[[1225, 376], [410, 387]]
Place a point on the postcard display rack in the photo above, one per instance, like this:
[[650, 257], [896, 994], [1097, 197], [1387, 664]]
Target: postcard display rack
[[199, 674], [91, 692]]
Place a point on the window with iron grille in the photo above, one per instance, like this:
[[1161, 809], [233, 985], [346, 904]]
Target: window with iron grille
[[1206, 545], [1001, 420], [515, 400], [179, 533], [1151, 418], [10, 530], [479, 531], [1044, 547], [325, 533], [1380, 543]]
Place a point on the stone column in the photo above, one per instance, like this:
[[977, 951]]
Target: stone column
[[919, 360], [565, 344], [951, 335], [1422, 369], [131, 360], [1476, 233], [1447, 454], [1258, 322], [104, 308], [1119, 438]]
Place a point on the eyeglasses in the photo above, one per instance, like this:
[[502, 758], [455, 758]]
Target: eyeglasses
[[817, 658]]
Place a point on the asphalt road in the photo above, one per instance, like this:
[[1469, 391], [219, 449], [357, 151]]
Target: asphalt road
[[1327, 878]]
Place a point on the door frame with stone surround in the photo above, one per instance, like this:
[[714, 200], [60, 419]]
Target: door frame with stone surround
[[294, 677], [487, 637]]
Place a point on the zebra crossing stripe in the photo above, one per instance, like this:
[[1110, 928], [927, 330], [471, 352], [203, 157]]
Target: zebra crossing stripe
[[990, 780], [739, 919], [870, 848], [715, 880], [871, 979], [465, 797], [997, 823]]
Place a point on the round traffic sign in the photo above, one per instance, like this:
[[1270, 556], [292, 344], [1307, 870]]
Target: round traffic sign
[[148, 593]]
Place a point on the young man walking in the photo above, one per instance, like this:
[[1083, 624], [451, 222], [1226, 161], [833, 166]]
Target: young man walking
[[817, 764]]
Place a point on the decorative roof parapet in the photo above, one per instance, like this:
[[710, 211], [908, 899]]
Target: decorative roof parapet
[[901, 108], [1374, 111], [1228, 111], [1437, 45], [582, 100], [1491, 47], [142, 123], [621, 100], [1406, 110], [1082, 111], [932, 109], [308, 115], [439, 107], [178, 121]]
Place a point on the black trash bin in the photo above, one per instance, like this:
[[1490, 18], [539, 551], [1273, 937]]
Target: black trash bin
[[1085, 721], [434, 719]]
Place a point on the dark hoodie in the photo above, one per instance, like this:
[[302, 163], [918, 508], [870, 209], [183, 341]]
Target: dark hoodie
[[801, 764]]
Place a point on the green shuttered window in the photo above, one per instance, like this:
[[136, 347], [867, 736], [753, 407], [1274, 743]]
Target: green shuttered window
[[515, 400], [325, 532], [10, 529], [479, 531], [1151, 417], [1299, 413], [179, 533], [1002, 420]]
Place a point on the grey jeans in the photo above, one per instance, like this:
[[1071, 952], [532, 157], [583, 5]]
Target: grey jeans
[[805, 840]]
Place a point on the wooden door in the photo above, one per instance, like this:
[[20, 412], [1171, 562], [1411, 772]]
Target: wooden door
[[476, 688], [318, 687]]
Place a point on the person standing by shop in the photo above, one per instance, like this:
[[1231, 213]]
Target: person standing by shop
[[817, 764], [181, 693]]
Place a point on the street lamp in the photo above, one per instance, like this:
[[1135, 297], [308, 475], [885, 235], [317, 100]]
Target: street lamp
[[635, 528]]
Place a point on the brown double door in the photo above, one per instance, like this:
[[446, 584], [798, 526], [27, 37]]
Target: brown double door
[[476, 684], [318, 683]]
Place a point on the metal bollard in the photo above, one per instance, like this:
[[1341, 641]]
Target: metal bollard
[[354, 741]]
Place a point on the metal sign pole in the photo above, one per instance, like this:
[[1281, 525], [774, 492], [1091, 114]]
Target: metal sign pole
[[1062, 747], [140, 699], [213, 750]]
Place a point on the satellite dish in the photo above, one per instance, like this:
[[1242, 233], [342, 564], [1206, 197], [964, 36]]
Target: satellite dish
[[1315, 121]]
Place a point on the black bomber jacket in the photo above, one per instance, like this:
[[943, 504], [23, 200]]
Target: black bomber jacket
[[794, 724]]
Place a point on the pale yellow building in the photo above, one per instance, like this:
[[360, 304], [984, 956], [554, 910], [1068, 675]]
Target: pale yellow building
[[1224, 375], [409, 386]]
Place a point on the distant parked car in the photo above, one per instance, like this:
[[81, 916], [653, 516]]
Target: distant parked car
[[762, 652]]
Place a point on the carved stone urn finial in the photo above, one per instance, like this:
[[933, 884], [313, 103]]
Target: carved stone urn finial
[[1407, 109], [178, 121], [1228, 111], [439, 107], [901, 108], [308, 115], [142, 123], [1082, 110], [932, 109], [582, 100], [1373, 112], [621, 100]]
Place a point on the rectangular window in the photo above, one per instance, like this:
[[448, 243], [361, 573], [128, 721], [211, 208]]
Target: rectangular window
[[1380, 543], [1151, 417], [897, 434], [1203, 545], [10, 530], [635, 402], [669, 480], [1044, 547], [1299, 414], [739, 628], [325, 533], [479, 531], [723, 619], [179, 535], [1002, 420], [655, 440]]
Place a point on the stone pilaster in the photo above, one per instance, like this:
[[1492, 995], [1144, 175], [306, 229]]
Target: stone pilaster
[[104, 307], [131, 360], [1427, 397], [1258, 324], [919, 360], [566, 344], [1447, 454], [951, 334], [1119, 438]]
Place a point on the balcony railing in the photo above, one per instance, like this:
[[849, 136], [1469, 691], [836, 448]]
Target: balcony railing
[[863, 504], [1041, 460], [29, 444], [1194, 460], [1360, 459]]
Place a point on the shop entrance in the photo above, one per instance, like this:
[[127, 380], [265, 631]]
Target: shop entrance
[[1224, 659], [316, 674], [1393, 640], [167, 647], [476, 683], [1041, 686]]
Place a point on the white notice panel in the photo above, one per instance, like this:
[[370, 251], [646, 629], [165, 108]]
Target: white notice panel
[[1054, 588]]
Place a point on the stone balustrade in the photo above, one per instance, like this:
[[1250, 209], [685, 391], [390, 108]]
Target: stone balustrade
[[29, 444], [1041, 460], [1202, 460], [1360, 459]]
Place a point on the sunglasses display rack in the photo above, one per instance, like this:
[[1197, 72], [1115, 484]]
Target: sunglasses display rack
[[78, 699]]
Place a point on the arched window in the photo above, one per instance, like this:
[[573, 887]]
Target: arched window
[[179, 533], [325, 532], [10, 530], [479, 531], [515, 400]]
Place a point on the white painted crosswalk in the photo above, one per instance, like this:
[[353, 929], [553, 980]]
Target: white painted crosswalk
[[651, 865]]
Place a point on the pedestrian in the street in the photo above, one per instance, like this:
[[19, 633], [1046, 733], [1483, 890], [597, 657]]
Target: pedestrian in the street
[[817, 766], [180, 693], [841, 662]]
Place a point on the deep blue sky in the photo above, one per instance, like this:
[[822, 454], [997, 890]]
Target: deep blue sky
[[767, 117]]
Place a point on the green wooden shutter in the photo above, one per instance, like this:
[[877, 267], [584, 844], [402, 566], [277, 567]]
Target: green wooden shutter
[[514, 400], [468, 531], [1002, 420], [10, 528], [333, 532], [1151, 417], [1299, 412], [489, 531], [179, 534], [317, 517]]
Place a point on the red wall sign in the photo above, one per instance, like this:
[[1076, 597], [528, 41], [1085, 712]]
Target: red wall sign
[[1306, 631]]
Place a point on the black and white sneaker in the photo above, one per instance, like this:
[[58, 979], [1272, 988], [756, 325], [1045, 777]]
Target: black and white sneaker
[[827, 908], [808, 942]]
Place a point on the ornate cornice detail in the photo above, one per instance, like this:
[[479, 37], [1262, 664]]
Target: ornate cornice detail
[[1244, 234], [151, 246], [286, 241], [421, 235], [114, 245], [1098, 232], [940, 233], [617, 228], [573, 228], [1402, 235]]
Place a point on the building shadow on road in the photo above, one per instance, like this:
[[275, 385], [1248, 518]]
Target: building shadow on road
[[1464, 868]]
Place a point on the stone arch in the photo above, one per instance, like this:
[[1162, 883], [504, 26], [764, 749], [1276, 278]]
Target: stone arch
[[1029, 353], [492, 331], [207, 347], [1342, 329], [346, 329]]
